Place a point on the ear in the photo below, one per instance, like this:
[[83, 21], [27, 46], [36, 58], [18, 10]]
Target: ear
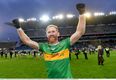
[[58, 34]]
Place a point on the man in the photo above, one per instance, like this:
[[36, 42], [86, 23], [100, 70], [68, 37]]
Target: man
[[100, 55], [70, 52], [5, 52], [11, 52], [85, 53], [2, 52], [77, 52], [56, 54], [107, 50]]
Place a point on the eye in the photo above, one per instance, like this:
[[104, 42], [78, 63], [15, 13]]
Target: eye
[[53, 31], [48, 31]]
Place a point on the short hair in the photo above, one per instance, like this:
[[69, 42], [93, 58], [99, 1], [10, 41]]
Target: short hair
[[56, 27], [99, 47]]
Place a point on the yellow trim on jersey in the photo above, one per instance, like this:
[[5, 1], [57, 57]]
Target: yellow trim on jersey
[[57, 56]]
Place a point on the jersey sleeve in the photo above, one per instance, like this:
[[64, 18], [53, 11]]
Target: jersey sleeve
[[67, 42]]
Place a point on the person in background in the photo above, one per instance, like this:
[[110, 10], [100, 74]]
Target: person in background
[[100, 55]]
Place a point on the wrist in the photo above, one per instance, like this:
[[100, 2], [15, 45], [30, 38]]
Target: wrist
[[19, 28], [82, 16]]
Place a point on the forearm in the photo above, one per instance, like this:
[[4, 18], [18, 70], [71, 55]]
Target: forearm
[[80, 29], [81, 25], [24, 38]]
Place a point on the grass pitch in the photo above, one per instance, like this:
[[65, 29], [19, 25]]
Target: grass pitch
[[30, 67]]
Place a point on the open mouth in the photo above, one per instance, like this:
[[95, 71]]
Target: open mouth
[[51, 38]]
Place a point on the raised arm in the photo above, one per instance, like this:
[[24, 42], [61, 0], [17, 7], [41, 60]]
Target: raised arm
[[24, 38], [81, 24]]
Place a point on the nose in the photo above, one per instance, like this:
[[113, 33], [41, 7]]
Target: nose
[[52, 33]]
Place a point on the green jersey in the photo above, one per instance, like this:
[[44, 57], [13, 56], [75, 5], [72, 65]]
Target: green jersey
[[57, 59]]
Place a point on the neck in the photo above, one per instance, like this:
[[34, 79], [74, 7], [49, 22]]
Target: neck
[[55, 42]]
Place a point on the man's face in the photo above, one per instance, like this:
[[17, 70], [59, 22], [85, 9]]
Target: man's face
[[52, 34]]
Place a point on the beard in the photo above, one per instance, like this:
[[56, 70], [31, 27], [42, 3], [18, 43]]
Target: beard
[[52, 39]]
